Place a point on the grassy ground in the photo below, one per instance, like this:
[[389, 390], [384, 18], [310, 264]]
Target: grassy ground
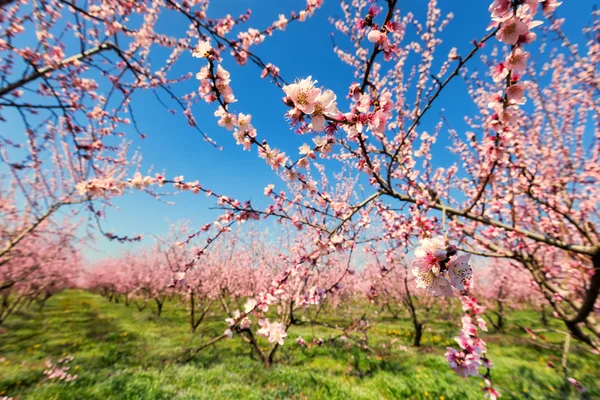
[[120, 353]]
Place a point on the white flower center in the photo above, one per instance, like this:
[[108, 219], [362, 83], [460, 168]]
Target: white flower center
[[302, 97]]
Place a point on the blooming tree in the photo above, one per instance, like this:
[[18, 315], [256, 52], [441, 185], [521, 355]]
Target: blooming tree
[[501, 285], [41, 265], [521, 183], [395, 286]]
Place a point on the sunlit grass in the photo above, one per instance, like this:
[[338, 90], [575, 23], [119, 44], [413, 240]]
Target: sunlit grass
[[120, 353]]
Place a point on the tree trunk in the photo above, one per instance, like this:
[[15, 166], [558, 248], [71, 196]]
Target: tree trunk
[[293, 320], [413, 313], [3, 308], [140, 307], [159, 306], [583, 309], [418, 334], [29, 302], [192, 312], [42, 302], [544, 316], [267, 362], [500, 315], [395, 315]]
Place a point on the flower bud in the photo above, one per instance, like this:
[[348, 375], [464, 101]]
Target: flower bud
[[440, 254], [451, 250], [288, 101]]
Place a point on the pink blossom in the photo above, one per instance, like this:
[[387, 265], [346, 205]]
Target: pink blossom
[[517, 59], [354, 91], [274, 157], [500, 72], [576, 384], [59, 370], [222, 74], [434, 283], [464, 364], [251, 303], [305, 149], [203, 49], [179, 276], [235, 316], [515, 94], [460, 271], [244, 122], [268, 190], [429, 254], [469, 342], [270, 69], [440, 287], [376, 36], [548, 6], [281, 23], [245, 323], [364, 103], [228, 121], [491, 393], [500, 9], [275, 332], [324, 106], [303, 94], [510, 31]]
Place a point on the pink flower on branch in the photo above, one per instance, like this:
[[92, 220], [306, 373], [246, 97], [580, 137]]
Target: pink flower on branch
[[275, 332], [303, 94], [515, 94], [379, 37], [460, 271], [517, 59], [511, 30], [464, 364], [436, 271], [324, 106], [429, 254]]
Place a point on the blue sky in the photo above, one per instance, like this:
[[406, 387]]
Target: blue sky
[[303, 49]]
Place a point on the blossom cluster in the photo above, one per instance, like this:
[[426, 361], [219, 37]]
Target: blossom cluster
[[314, 296], [213, 84], [97, 187], [516, 21], [472, 354], [113, 186], [275, 332], [380, 37], [239, 320], [315, 342], [437, 268], [241, 51], [307, 99], [368, 112], [216, 87]]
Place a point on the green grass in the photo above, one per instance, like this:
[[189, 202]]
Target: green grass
[[120, 353]]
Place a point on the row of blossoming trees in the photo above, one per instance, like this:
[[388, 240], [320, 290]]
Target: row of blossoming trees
[[520, 183], [241, 268], [43, 263]]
